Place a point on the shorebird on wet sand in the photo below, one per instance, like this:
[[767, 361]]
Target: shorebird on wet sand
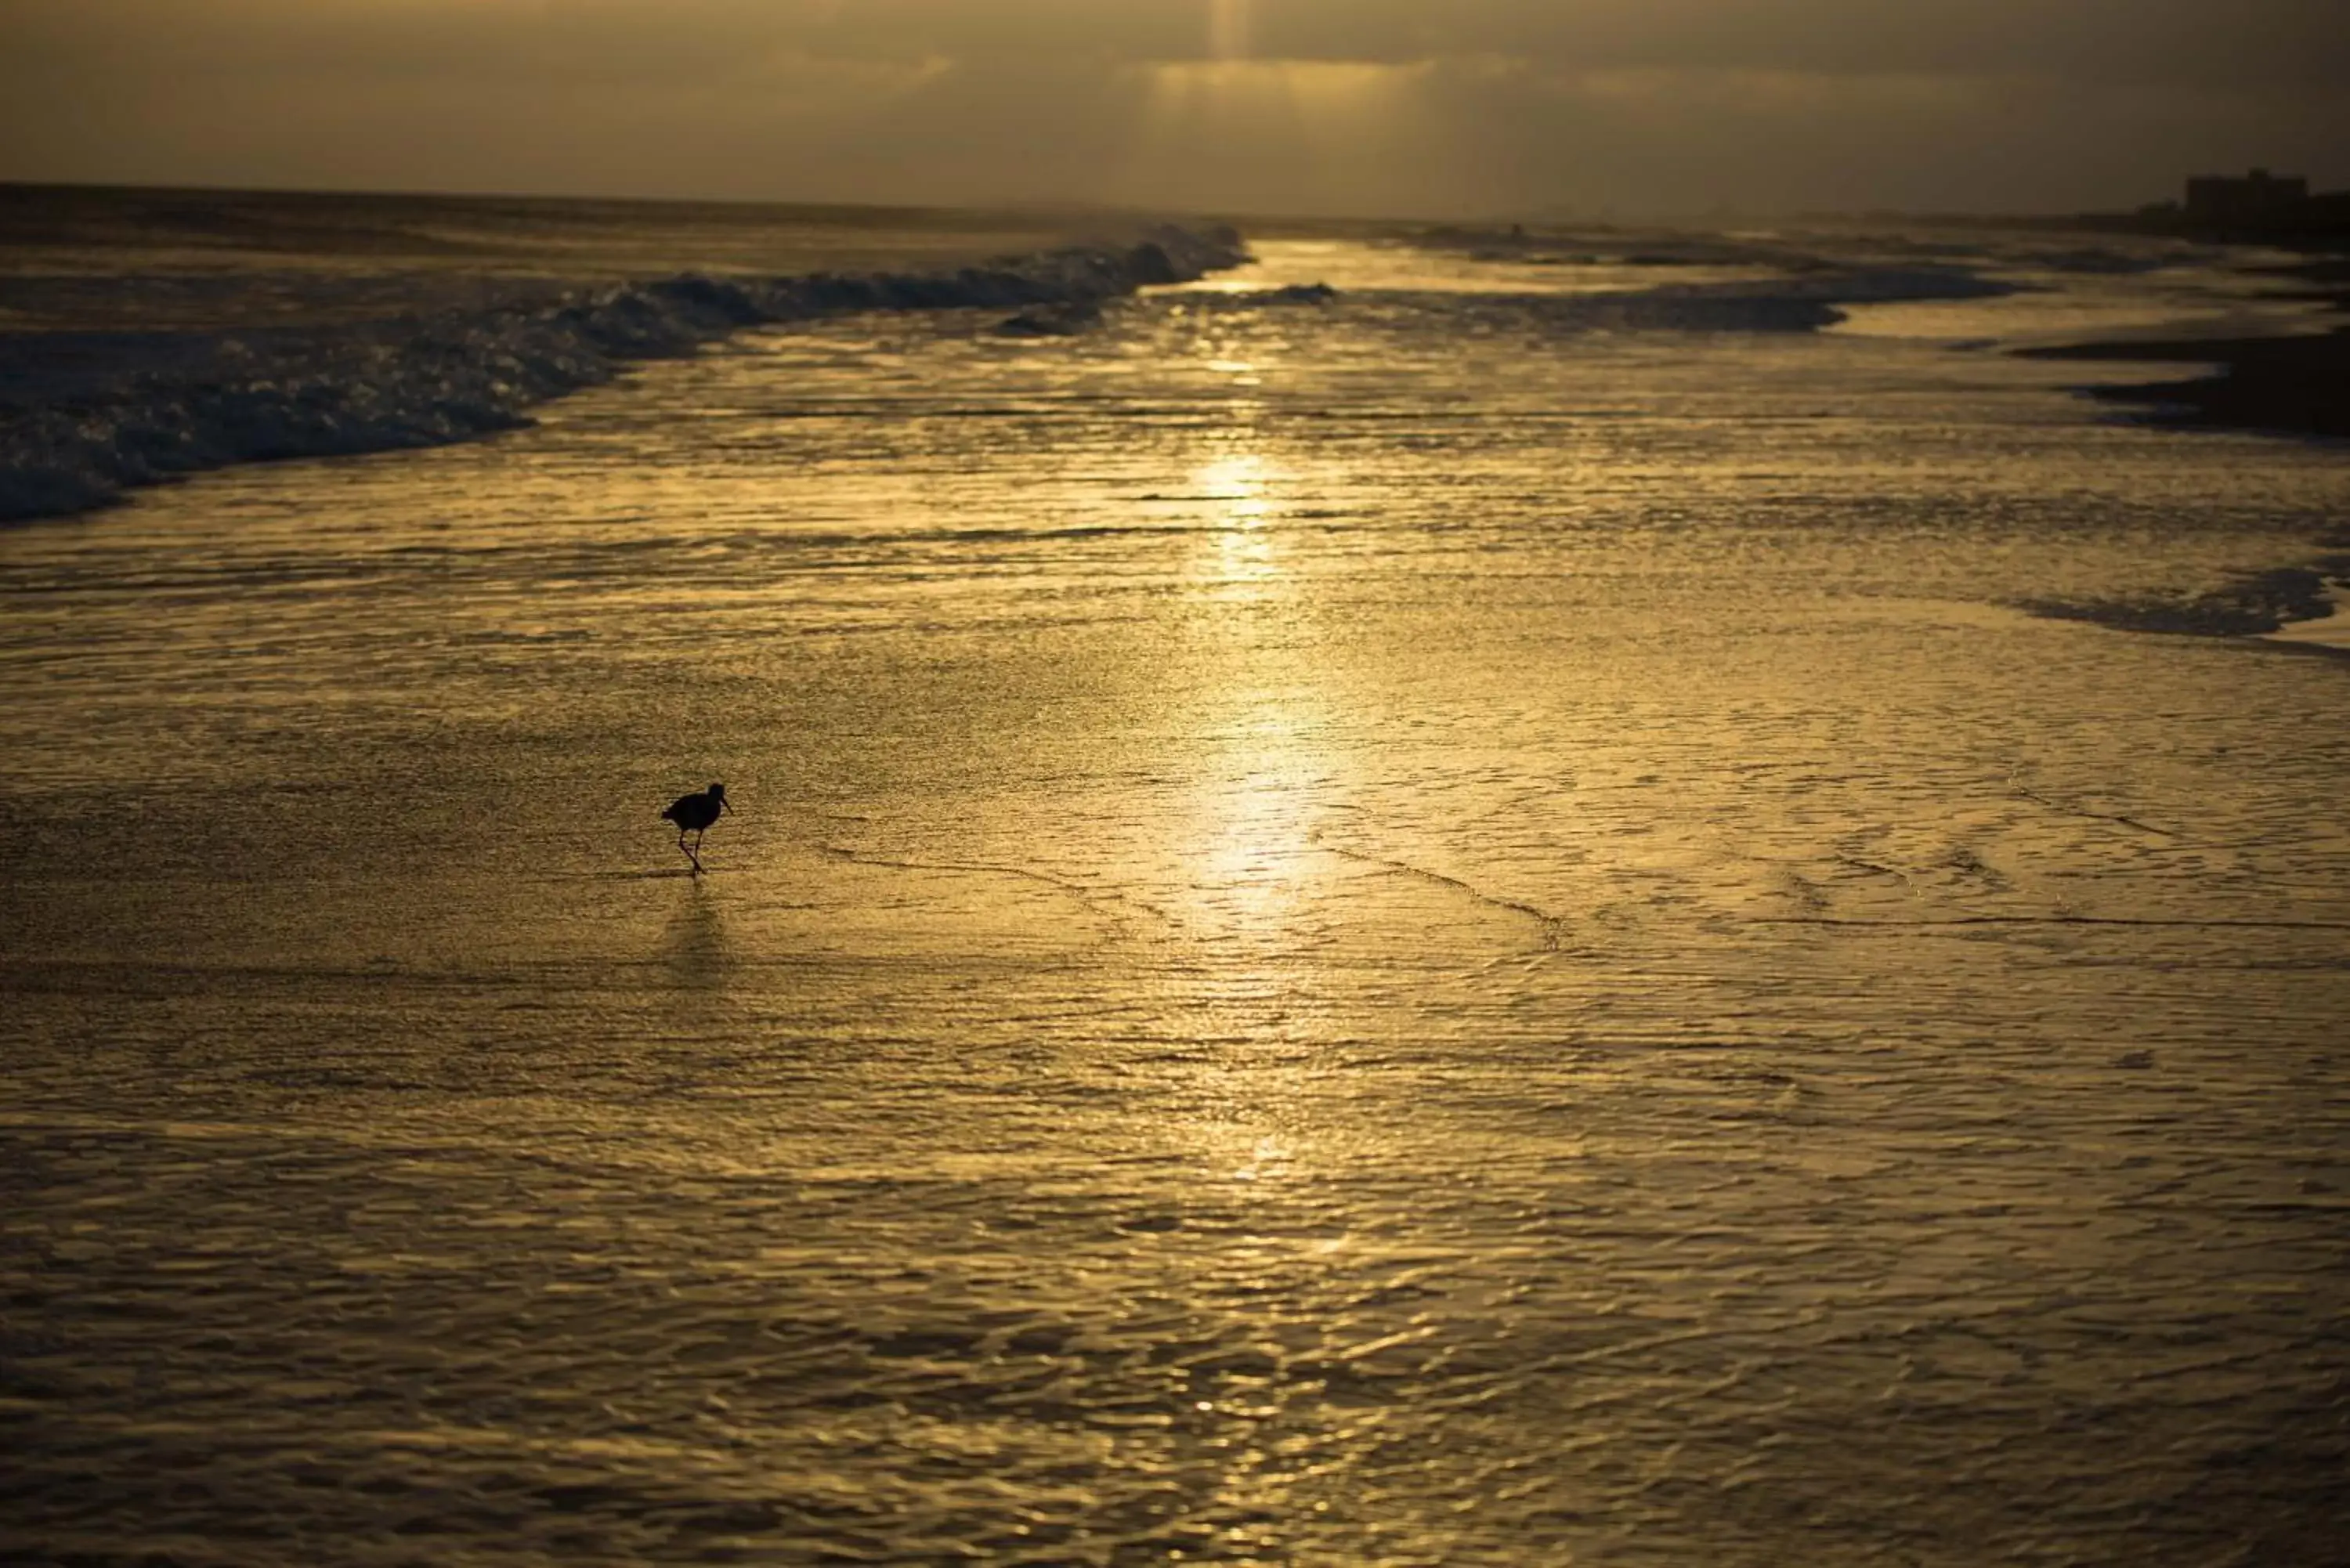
[[694, 813]]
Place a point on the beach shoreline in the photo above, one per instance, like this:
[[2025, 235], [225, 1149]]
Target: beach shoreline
[[1327, 913], [2297, 385], [2287, 386]]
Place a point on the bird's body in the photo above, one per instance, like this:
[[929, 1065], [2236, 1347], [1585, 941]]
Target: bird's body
[[693, 814]]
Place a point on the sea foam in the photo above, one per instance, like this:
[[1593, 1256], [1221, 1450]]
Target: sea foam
[[161, 405]]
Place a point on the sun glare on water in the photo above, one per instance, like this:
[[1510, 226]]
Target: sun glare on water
[[1243, 565]]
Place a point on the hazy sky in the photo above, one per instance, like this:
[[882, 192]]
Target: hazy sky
[[1369, 106]]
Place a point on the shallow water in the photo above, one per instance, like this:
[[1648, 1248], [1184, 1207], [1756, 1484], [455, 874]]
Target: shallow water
[[1446, 928]]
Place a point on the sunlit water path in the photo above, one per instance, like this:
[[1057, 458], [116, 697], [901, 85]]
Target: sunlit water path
[[1450, 926]]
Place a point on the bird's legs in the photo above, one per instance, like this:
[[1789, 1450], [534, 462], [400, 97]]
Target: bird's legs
[[690, 855]]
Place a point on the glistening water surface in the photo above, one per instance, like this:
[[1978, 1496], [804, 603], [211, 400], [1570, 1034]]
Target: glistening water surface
[[1443, 926]]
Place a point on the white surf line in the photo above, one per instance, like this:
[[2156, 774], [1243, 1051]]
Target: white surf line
[[1879, 869], [1524, 797], [1552, 927], [1099, 903], [2027, 793]]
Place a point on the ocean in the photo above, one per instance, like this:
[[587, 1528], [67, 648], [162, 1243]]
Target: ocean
[[1430, 896]]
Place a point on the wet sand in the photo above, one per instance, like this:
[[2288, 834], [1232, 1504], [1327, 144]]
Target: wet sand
[[1316, 965], [2297, 385], [2288, 384]]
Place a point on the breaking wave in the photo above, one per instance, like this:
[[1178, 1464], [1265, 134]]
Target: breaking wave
[[174, 403]]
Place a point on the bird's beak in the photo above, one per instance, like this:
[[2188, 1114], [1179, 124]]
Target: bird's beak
[[723, 806]]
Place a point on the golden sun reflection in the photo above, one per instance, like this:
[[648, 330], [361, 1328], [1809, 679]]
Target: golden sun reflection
[[1258, 801], [1245, 563], [1267, 1158], [1236, 486], [1260, 819]]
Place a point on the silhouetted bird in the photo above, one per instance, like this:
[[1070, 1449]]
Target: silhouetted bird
[[694, 813]]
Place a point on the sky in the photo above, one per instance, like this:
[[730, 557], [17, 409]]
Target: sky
[[1433, 107]]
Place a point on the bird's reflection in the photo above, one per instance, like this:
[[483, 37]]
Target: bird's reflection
[[695, 947]]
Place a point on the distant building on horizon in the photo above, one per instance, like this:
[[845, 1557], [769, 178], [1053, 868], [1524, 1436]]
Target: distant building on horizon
[[2256, 197]]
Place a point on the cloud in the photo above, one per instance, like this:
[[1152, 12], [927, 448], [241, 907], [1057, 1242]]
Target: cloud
[[2150, 42], [2299, 43], [1354, 105]]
